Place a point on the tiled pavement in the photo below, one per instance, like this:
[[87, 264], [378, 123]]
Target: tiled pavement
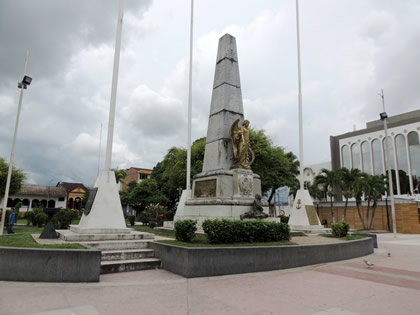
[[391, 286]]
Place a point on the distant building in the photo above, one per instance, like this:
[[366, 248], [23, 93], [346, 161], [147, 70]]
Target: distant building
[[74, 194], [365, 149], [135, 174], [33, 196], [310, 171]]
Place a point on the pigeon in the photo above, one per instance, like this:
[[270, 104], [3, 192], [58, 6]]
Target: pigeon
[[389, 254], [368, 263]]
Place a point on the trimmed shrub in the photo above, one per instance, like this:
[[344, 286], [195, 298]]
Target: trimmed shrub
[[40, 219], [185, 230], [340, 229], [63, 218], [284, 219], [29, 216], [228, 231], [132, 219]]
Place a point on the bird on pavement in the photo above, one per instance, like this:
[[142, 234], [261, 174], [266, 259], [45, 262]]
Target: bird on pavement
[[368, 263], [389, 254]]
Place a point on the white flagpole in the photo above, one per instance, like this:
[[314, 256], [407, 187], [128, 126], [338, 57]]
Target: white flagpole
[[190, 101], [300, 100], [114, 87], [12, 152]]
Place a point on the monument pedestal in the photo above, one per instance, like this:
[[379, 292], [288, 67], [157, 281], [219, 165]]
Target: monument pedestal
[[221, 194], [106, 215], [303, 216]]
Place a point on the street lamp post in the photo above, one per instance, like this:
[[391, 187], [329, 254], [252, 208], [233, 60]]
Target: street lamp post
[[22, 86], [384, 117]]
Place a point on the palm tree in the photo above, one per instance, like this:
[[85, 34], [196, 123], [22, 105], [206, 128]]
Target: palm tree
[[346, 181], [330, 180], [374, 189], [359, 187], [120, 175], [313, 190]]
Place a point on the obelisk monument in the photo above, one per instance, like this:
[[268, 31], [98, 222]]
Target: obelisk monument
[[221, 191]]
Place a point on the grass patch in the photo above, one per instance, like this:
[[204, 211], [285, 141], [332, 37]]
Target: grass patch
[[26, 240], [345, 238], [148, 229], [297, 234], [199, 243]]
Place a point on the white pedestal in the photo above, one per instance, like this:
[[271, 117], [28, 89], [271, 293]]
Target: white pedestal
[[303, 213], [106, 215]]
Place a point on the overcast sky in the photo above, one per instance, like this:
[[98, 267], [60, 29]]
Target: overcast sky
[[350, 50]]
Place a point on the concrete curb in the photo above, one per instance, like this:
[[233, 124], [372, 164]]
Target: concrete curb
[[49, 265], [193, 262]]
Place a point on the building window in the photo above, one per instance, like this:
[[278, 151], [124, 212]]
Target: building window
[[402, 162], [414, 149], [367, 167], [355, 154], [377, 157], [345, 157], [144, 176]]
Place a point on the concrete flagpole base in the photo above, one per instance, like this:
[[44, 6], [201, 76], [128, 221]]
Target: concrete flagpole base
[[106, 215]]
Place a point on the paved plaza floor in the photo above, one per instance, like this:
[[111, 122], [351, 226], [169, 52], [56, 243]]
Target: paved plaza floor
[[391, 286]]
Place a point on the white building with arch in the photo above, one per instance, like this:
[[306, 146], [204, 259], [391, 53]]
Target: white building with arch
[[365, 149]]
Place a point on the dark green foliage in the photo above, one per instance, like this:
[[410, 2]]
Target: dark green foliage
[[284, 219], [185, 230], [29, 216], [340, 229], [16, 180], [132, 219], [40, 219], [153, 216], [228, 231], [63, 218]]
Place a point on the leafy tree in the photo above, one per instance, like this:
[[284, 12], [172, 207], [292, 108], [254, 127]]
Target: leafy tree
[[146, 193], [120, 175], [313, 190], [374, 189], [275, 167], [330, 181], [346, 182], [16, 180]]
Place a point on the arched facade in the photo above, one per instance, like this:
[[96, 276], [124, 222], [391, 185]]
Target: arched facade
[[367, 152]]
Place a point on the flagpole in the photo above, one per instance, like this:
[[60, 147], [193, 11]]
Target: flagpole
[[114, 87], [300, 100], [188, 186]]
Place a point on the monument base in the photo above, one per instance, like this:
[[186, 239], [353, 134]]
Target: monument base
[[304, 213], [105, 215]]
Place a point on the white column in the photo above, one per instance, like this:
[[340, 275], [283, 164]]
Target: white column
[[350, 156], [410, 176], [371, 158], [397, 175], [361, 158]]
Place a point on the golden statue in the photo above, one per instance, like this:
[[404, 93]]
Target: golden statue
[[243, 156]]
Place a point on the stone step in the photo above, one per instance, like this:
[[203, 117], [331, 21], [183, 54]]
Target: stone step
[[127, 254], [117, 245], [129, 265], [71, 236]]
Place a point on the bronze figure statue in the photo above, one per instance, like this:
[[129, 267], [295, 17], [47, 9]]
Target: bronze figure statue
[[257, 211], [243, 156]]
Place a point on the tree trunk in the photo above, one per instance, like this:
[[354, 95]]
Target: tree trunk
[[271, 195], [373, 214], [345, 210], [332, 210], [367, 212], [360, 215]]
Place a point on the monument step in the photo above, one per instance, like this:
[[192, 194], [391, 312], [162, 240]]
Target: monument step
[[71, 236], [129, 265], [117, 245], [127, 254]]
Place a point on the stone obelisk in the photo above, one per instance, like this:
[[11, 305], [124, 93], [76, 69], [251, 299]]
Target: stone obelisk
[[226, 107], [220, 191]]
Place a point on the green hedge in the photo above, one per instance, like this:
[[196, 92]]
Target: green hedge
[[340, 229], [228, 231], [185, 230], [63, 218]]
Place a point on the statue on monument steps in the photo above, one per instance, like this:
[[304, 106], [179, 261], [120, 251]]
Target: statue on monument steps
[[257, 211], [243, 156]]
